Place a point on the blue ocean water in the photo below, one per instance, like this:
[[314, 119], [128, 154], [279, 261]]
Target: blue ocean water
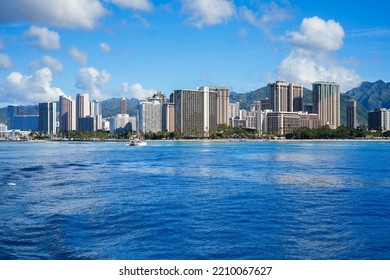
[[195, 200]]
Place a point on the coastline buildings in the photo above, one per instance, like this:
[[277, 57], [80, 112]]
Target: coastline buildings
[[22, 122], [285, 97], [379, 119], [67, 114], [326, 103], [351, 114], [48, 118], [168, 117], [150, 115], [122, 122], [196, 111], [123, 106]]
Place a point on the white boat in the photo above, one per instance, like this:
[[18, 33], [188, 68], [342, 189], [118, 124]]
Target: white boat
[[136, 142]]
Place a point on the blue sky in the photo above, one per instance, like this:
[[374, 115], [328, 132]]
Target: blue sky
[[133, 48]]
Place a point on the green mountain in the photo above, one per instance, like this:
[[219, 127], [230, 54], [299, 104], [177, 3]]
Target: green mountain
[[371, 95], [111, 107]]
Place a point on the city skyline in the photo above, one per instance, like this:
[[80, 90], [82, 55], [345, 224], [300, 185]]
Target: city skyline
[[136, 48]]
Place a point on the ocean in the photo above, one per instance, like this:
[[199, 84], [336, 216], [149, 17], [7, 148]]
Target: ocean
[[195, 200]]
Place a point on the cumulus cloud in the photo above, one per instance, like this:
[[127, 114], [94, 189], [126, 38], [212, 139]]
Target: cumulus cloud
[[69, 14], [79, 56], [142, 5], [27, 89], [137, 91], [43, 39], [316, 33], [204, 12], [311, 58], [105, 47], [53, 64], [269, 15], [5, 62], [92, 81]]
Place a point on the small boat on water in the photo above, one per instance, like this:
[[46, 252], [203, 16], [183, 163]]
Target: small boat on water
[[136, 142]]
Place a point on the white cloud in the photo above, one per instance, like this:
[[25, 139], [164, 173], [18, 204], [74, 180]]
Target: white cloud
[[53, 64], [78, 56], [311, 58], [43, 39], [316, 33], [92, 81], [269, 15], [27, 89], [69, 13], [5, 62], [204, 12], [137, 91], [105, 47], [142, 5], [305, 67]]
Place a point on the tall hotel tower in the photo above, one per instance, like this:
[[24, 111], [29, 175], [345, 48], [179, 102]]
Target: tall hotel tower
[[195, 111], [83, 108], [47, 121], [285, 97], [326, 103], [123, 106], [67, 114], [351, 114], [223, 105]]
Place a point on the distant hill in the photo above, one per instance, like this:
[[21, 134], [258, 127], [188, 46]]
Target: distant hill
[[371, 95], [111, 107]]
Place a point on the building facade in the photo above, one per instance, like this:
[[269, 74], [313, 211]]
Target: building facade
[[168, 117], [326, 103], [122, 122], [379, 119], [48, 118], [96, 113], [83, 108], [67, 114], [123, 106], [223, 105], [285, 97], [12, 111], [195, 111], [351, 114], [150, 115]]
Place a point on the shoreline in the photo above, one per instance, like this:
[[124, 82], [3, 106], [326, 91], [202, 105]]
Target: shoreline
[[206, 140]]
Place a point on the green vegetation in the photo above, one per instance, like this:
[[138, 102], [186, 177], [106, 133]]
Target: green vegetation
[[341, 132]]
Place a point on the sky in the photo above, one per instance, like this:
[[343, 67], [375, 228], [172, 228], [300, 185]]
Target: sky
[[134, 48]]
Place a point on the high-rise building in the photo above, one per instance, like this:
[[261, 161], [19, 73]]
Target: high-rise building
[[150, 115], [96, 112], [351, 114], [195, 111], [67, 114], [48, 118], [160, 95], [122, 122], [234, 110], [265, 105], [326, 103], [168, 117], [12, 111], [123, 106], [286, 97], [223, 105], [82, 108], [379, 119]]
